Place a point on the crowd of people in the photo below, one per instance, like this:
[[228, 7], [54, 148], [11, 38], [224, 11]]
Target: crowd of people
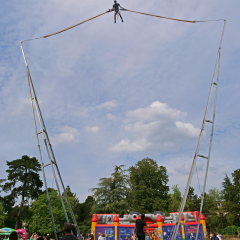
[[140, 233], [39, 237]]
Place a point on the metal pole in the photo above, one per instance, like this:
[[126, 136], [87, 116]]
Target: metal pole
[[183, 202], [48, 148], [211, 136], [39, 150], [48, 144], [50, 160]]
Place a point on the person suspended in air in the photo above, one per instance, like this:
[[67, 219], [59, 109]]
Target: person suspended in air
[[116, 8]]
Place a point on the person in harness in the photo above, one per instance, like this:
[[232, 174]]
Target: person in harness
[[116, 8]]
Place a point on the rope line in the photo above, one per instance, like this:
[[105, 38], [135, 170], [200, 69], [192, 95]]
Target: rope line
[[74, 26], [46, 36], [174, 19]]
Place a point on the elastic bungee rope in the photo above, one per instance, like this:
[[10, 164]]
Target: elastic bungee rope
[[123, 9]]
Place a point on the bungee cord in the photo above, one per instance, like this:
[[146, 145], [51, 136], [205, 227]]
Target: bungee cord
[[174, 19], [123, 9]]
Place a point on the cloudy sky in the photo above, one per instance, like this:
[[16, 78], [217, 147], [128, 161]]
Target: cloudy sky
[[114, 94]]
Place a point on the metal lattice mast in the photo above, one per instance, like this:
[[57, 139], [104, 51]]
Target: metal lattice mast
[[196, 155], [51, 157]]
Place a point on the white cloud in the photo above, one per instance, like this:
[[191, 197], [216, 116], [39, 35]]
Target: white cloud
[[155, 128], [155, 111], [111, 116], [126, 146], [188, 128], [94, 129], [108, 105], [67, 135]]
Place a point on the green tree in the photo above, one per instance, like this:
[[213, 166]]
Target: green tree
[[76, 206], [2, 215], [174, 199], [211, 209], [227, 185], [231, 195], [41, 218], [86, 215], [22, 181], [111, 194], [193, 201], [148, 184]]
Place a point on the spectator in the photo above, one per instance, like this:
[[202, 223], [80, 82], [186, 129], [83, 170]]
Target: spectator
[[13, 236], [82, 236], [40, 237], [139, 228], [213, 236], [89, 236], [219, 236], [192, 237], [165, 236], [103, 236], [67, 230], [100, 236]]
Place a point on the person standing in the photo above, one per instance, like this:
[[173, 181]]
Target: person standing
[[82, 236], [67, 230], [140, 227], [219, 236], [13, 236], [40, 238], [213, 236]]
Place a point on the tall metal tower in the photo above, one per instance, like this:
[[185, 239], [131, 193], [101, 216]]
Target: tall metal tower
[[214, 83], [52, 160]]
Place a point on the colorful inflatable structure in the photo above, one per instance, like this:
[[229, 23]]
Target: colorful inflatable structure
[[117, 228], [23, 233]]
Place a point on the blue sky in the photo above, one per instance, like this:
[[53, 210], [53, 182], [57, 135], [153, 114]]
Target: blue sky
[[113, 94]]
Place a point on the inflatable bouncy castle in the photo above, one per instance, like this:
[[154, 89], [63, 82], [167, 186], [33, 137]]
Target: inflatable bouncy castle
[[23, 233], [162, 226]]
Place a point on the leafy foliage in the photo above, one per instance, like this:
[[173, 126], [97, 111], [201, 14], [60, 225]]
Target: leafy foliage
[[174, 199], [2, 215], [231, 195], [86, 215], [143, 187], [111, 194], [23, 181], [148, 184], [230, 230], [41, 218]]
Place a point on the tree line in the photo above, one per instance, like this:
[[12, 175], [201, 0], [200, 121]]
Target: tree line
[[143, 188]]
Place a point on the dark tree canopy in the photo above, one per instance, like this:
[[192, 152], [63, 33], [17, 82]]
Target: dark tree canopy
[[148, 184], [23, 181], [111, 194]]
